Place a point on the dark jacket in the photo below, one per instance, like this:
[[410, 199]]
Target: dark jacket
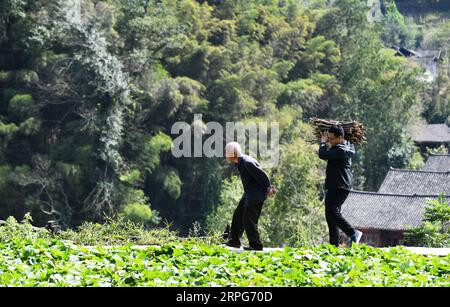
[[339, 157], [254, 179]]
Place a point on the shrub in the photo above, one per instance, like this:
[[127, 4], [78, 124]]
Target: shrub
[[435, 230], [12, 229], [137, 213]]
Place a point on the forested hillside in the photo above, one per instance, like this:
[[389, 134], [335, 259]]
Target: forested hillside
[[88, 98], [426, 25]]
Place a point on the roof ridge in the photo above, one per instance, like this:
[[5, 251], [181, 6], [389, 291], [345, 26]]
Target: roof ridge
[[394, 194], [417, 171]]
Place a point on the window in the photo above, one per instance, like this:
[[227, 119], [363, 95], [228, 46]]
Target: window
[[370, 239]]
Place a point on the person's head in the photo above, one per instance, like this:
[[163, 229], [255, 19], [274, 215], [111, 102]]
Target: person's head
[[335, 135], [232, 152]]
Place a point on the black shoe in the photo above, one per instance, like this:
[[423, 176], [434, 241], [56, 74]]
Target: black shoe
[[232, 244], [252, 248]]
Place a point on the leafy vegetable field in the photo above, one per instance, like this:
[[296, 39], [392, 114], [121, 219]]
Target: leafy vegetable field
[[44, 262]]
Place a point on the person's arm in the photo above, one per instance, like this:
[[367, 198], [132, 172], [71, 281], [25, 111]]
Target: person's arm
[[336, 152], [323, 145], [259, 175], [331, 154]]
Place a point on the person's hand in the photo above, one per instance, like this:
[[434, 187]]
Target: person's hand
[[323, 136], [272, 191]]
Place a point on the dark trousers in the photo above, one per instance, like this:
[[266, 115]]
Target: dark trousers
[[333, 202], [246, 218]]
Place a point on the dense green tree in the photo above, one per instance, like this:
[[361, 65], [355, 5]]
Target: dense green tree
[[437, 99], [88, 99], [395, 31]]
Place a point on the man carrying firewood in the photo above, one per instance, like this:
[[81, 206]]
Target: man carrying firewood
[[337, 182]]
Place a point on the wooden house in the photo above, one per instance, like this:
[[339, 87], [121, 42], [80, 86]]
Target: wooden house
[[382, 217], [431, 136]]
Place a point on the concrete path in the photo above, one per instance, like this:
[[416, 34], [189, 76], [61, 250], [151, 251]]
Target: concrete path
[[416, 250], [430, 251]]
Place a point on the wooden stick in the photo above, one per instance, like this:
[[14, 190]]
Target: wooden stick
[[354, 131]]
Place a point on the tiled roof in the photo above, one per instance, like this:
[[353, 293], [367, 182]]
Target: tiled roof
[[385, 211], [434, 133], [437, 163], [400, 181], [427, 53]]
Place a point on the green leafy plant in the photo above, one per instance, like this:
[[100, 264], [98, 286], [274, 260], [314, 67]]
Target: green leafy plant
[[60, 263], [137, 213], [435, 230]]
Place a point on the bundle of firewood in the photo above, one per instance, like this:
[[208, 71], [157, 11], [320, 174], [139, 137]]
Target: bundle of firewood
[[354, 131]]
